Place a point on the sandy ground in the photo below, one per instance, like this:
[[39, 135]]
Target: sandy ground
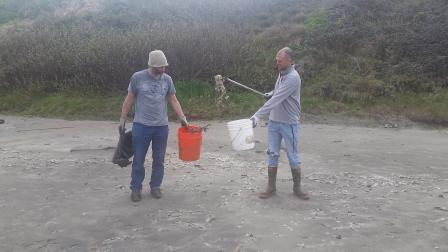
[[372, 189]]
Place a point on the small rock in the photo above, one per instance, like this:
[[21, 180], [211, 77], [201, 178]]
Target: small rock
[[441, 208], [339, 237], [210, 219]]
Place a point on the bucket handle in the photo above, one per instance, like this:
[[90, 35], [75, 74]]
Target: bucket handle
[[236, 135], [199, 128]]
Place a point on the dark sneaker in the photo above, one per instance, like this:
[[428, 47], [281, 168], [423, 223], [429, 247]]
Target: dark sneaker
[[136, 195], [156, 193]]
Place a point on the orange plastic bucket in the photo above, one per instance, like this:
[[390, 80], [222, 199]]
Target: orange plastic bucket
[[190, 140]]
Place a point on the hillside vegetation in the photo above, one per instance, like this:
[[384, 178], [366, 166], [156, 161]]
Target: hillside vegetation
[[359, 57]]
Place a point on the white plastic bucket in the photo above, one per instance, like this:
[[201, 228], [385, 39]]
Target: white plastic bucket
[[241, 134]]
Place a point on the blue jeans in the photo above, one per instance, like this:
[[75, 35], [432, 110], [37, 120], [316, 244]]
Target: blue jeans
[[290, 134], [142, 136]]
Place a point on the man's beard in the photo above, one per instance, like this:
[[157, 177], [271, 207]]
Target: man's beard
[[156, 73]]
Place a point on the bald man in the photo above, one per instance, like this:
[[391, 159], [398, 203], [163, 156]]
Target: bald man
[[284, 111]]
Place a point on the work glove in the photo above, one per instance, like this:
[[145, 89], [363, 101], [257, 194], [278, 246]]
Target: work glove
[[121, 126], [268, 96], [184, 122], [255, 121]]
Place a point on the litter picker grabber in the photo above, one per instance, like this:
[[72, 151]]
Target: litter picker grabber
[[243, 86]]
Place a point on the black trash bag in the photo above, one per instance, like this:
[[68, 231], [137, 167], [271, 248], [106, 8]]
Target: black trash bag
[[124, 150]]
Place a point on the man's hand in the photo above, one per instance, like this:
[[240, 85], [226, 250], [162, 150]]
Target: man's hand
[[255, 121], [268, 96], [184, 122], [121, 126]]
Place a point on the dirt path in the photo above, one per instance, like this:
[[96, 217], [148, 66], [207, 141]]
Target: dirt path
[[372, 189]]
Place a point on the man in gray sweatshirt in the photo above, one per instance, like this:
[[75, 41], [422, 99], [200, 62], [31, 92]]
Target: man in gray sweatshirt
[[284, 120]]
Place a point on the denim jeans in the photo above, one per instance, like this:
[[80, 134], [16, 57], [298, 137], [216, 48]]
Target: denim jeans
[[142, 137], [290, 134]]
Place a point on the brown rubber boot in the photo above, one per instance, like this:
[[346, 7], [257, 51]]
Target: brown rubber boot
[[296, 176], [270, 190], [156, 193], [136, 195]]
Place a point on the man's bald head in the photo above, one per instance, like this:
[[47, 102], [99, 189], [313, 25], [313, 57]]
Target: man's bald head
[[284, 58], [287, 52]]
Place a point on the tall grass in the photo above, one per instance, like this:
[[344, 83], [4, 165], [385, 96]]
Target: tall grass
[[197, 100], [56, 57]]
